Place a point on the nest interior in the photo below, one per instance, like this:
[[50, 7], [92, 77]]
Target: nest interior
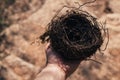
[[74, 35]]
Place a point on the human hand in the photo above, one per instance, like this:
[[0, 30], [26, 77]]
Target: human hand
[[68, 66]]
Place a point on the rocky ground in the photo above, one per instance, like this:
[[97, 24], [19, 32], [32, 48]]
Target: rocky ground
[[21, 53]]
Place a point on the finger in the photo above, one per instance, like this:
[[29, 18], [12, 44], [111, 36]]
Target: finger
[[47, 47]]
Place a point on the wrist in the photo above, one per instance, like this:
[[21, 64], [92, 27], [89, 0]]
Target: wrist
[[56, 68], [51, 72], [55, 71]]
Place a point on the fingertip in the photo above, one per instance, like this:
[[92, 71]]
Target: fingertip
[[47, 47]]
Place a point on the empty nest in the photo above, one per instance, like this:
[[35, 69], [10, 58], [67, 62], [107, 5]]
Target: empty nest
[[74, 35]]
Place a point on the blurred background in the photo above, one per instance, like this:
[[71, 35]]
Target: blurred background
[[23, 21]]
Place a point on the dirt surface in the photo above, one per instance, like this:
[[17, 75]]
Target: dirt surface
[[22, 55]]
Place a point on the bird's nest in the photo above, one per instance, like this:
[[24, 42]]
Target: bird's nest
[[74, 35]]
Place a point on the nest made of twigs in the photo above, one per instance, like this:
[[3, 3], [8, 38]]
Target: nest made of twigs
[[74, 35]]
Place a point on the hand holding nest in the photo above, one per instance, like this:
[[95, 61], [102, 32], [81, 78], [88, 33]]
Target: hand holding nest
[[66, 66], [57, 68]]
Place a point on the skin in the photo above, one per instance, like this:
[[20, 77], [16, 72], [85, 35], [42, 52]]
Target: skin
[[56, 68]]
